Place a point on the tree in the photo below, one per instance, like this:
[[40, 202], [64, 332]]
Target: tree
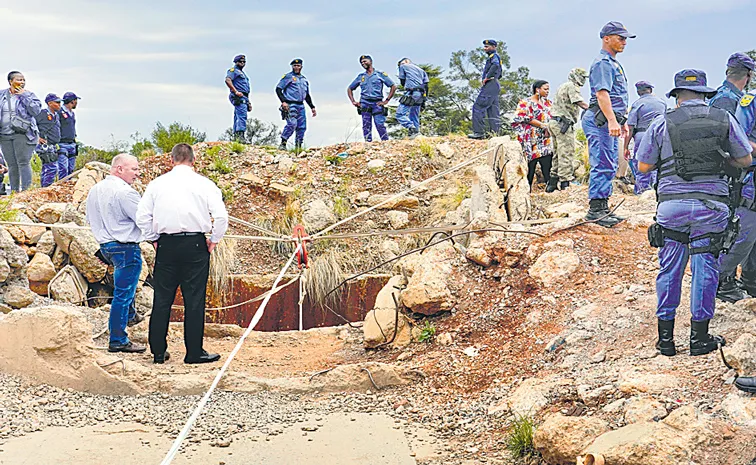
[[752, 84], [176, 133], [258, 133]]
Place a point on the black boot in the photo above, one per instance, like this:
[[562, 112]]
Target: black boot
[[666, 343], [476, 135], [599, 208], [748, 284], [729, 291], [701, 342], [746, 384], [283, 144], [298, 147], [564, 185], [551, 186], [239, 136]]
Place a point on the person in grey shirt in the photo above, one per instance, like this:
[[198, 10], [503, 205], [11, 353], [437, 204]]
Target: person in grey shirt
[[111, 212], [18, 129]]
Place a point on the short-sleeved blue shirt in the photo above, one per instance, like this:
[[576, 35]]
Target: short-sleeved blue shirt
[[239, 79], [415, 76], [727, 97], [371, 85], [295, 87], [608, 74], [746, 116]]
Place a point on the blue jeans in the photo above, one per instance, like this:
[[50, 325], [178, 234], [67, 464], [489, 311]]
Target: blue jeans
[[127, 264], [695, 217], [603, 155]]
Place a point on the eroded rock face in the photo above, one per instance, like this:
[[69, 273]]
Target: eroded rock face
[[80, 245], [427, 290], [560, 439]]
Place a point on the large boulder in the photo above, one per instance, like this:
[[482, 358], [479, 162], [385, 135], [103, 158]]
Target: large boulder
[[46, 244], [485, 196], [39, 272], [507, 160], [742, 354], [143, 299], [18, 296], [398, 219], [27, 233], [741, 408], [427, 290], [50, 213], [86, 180], [69, 286], [560, 439], [14, 255], [81, 246], [557, 263], [148, 254], [385, 322], [318, 216]]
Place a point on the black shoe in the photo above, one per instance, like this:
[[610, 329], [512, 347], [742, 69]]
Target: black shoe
[[701, 342], [746, 384], [298, 147], [475, 135], [129, 348], [598, 213], [748, 285], [239, 136], [136, 320], [564, 185], [729, 291], [666, 343], [551, 186], [283, 145], [161, 358], [204, 358]]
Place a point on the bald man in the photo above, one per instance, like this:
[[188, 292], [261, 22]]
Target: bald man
[[111, 212]]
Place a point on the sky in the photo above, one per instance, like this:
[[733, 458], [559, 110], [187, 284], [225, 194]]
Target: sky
[[138, 62]]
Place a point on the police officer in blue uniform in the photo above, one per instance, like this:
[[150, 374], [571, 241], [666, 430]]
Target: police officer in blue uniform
[[372, 106], [604, 121], [740, 68], [238, 83], [642, 112], [415, 80], [486, 106], [693, 148], [293, 90], [48, 151], [68, 134]]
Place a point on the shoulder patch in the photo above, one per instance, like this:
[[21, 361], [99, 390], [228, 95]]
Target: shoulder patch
[[231, 70], [284, 76], [293, 79], [746, 100]]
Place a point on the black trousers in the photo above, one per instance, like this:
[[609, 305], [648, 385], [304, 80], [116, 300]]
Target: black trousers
[[545, 163], [181, 261]]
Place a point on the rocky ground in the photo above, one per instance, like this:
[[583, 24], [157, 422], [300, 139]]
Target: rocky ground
[[545, 318]]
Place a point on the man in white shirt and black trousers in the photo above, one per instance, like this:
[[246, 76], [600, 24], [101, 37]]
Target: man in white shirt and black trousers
[[176, 211]]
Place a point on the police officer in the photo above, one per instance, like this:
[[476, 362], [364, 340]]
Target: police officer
[[238, 83], [604, 121], [48, 122], [68, 134], [371, 106], [642, 112], [414, 79], [693, 219], [293, 90], [565, 111], [740, 68], [486, 106]]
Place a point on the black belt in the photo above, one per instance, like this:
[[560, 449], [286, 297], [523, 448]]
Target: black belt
[[292, 102], [121, 243], [183, 234], [67, 141]]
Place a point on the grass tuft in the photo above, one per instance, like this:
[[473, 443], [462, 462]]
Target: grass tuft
[[520, 438], [341, 207], [6, 212], [324, 274], [221, 263], [237, 147], [427, 333]]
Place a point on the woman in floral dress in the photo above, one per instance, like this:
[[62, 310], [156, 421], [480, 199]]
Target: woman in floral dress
[[531, 126]]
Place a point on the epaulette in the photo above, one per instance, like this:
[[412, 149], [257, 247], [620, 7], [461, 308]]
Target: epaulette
[[746, 100]]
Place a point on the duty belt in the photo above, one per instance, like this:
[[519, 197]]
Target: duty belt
[[293, 102]]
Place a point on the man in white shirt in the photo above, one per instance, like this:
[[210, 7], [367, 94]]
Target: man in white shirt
[[177, 210], [111, 212]]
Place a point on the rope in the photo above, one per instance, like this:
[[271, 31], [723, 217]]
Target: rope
[[254, 226], [255, 319], [402, 193]]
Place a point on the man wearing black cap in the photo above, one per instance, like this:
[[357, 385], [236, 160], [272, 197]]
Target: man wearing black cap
[[603, 122], [68, 133], [740, 68], [415, 80], [293, 90], [48, 151], [372, 106], [692, 148], [486, 106], [643, 111], [238, 83]]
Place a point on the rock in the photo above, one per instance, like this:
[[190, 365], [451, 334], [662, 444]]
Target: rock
[[562, 210], [282, 189], [80, 245], [73, 215], [593, 397], [427, 290], [477, 254], [69, 286], [253, 179], [40, 271], [18, 296], [638, 381], [376, 165], [407, 201], [641, 409], [5, 270], [86, 179], [560, 438], [383, 320], [59, 258], [485, 196], [398, 219], [286, 164], [445, 339], [530, 397], [507, 157], [318, 216], [148, 254], [741, 408], [362, 198], [446, 150], [143, 299], [557, 263], [5, 309], [50, 213], [742, 354], [46, 243], [14, 255], [389, 249]]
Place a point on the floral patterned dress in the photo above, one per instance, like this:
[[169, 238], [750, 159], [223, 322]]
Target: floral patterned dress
[[535, 141]]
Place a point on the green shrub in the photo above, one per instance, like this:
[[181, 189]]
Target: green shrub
[[6, 213], [428, 333], [141, 148], [237, 147], [36, 166], [520, 438], [213, 152], [341, 206], [221, 165], [164, 138]]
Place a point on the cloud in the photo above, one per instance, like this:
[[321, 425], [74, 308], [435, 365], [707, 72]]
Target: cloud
[[149, 57]]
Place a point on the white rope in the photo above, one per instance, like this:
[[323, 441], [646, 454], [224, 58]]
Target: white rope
[[255, 319], [403, 193]]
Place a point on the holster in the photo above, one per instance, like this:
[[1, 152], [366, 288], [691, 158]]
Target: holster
[[600, 118], [564, 124], [48, 154], [284, 113]]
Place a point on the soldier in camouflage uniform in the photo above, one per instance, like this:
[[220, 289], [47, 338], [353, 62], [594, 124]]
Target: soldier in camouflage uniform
[[565, 112]]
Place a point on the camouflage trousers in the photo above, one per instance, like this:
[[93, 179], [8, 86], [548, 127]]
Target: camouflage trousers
[[565, 160]]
